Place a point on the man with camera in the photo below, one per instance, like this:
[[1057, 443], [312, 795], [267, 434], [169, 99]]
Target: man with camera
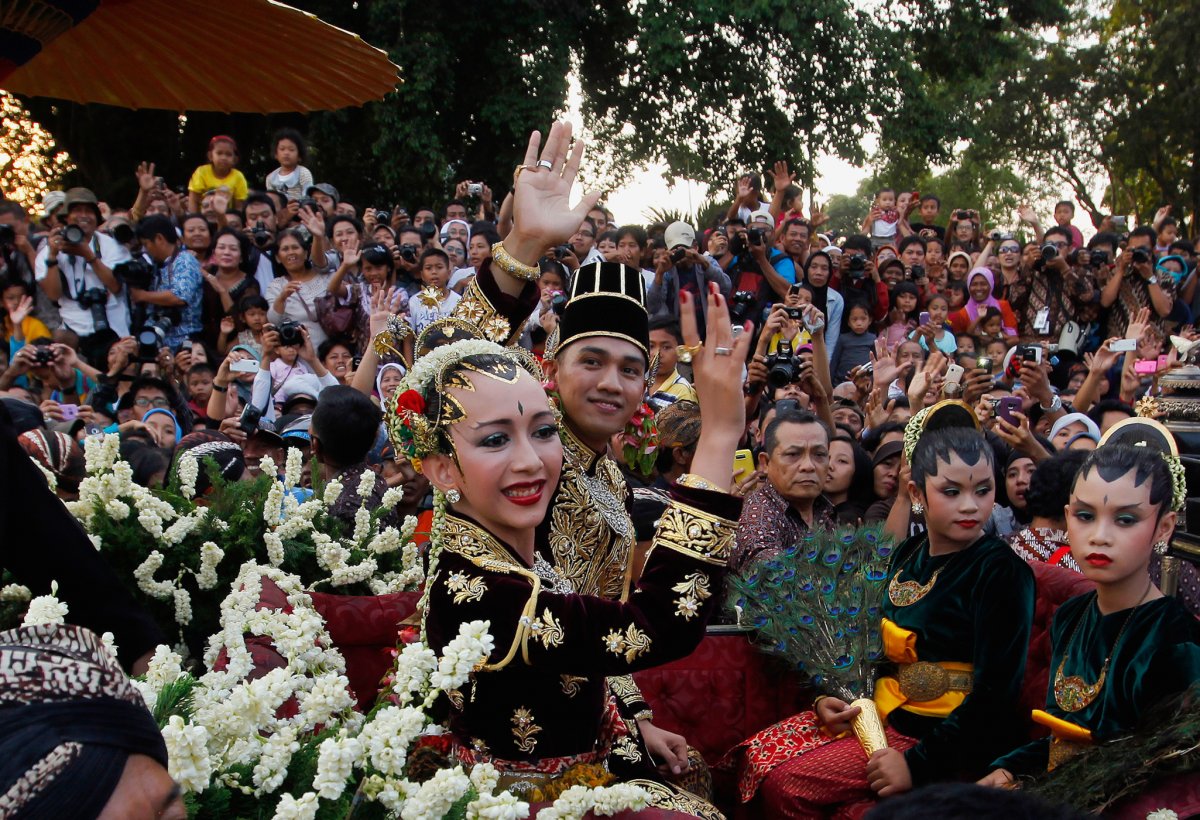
[[167, 289], [681, 267], [794, 243], [75, 269], [749, 262], [1134, 284], [1054, 293]]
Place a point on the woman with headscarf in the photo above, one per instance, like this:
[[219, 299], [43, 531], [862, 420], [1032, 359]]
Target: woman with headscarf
[[818, 268], [980, 284]]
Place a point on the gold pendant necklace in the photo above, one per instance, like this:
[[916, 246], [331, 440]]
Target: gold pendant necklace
[[907, 593], [1073, 693]]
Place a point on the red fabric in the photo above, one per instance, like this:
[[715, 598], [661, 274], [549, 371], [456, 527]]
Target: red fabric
[[1054, 586], [364, 629], [722, 693], [1181, 794], [756, 757], [828, 779]]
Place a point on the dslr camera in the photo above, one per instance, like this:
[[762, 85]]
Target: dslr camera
[[562, 251], [918, 271], [1141, 255], [757, 235], [408, 252], [742, 301], [310, 203], [260, 235], [72, 235], [153, 337], [858, 267], [43, 356], [558, 303], [135, 273], [383, 218], [678, 254], [1049, 252], [783, 367], [289, 333], [7, 235], [95, 300], [249, 419]]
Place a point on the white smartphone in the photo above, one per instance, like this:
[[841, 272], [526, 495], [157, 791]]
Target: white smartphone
[[954, 373], [244, 366], [1123, 346]]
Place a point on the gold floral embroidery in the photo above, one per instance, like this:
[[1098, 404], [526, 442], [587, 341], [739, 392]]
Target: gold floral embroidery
[[693, 591], [456, 698], [696, 533], [632, 644], [466, 587], [476, 309], [570, 684], [664, 796], [626, 749], [524, 729], [546, 629], [479, 745]]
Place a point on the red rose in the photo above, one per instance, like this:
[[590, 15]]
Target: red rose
[[410, 400]]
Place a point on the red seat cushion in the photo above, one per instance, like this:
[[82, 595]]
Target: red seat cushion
[[364, 629]]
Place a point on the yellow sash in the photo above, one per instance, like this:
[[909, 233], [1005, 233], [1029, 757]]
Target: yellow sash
[[900, 646], [1062, 729]]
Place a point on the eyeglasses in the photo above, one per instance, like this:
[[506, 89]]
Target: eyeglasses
[[1011, 249], [159, 402], [1059, 245]]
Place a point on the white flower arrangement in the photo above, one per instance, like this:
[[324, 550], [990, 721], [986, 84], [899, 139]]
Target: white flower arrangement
[[237, 739], [46, 609]]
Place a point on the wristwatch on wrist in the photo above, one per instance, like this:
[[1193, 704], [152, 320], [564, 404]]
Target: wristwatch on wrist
[[1055, 404], [1153, 280]]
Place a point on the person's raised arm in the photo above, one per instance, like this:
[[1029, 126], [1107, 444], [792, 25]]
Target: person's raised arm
[[382, 307], [1099, 364], [542, 212], [816, 325], [717, 377], [350, 254], [782, 180], [1026, 215], [778, 284]]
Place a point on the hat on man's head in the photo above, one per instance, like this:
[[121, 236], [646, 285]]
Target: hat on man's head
[[325, 188], [679, 233], [762, 215], [82, 196], [607, 299], [51, 202]]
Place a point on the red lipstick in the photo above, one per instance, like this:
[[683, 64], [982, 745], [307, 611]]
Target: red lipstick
[[1098, 559], [525, 494], [968, 523]]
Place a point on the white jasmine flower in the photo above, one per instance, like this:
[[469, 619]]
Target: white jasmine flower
[[46, 609], [366, 484], [187, 754], [436, 795], [336, 760], [332, 490], [392, 497], [15, 593], [293, 468], [292, 808], [210, 557], [502, 806], [189, 471]]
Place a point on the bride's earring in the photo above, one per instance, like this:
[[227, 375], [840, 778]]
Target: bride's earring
[[1161, 547], [453, 496]]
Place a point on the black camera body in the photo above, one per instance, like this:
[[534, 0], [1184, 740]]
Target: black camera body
[[383, 218], [757, 236], [153, 337], [562, 251], [8, 236], [289, 333], [558, 303], [95, 300], [1098, 257], [678, 255], [427, 230], [737, 243], [741, 302], [960, 214], [135, 273], [1141, 255], [72, 235], [783, 366], [858, 267], [249, 419], [122, 232], [918, 271], [1049, 252], [260, 235], [43, 356], [309, 202], [408, 252]]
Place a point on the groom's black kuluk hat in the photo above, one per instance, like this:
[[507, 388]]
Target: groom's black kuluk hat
[[606, 299]]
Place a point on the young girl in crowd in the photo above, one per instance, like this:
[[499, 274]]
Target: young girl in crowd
[[291, 178], [850, 485], [219, 172], [883, 218], [903, 315], [853, 347], [245, 327], [956, 598], [1125, 648], [937, 329], [435, 300], [286, 366]]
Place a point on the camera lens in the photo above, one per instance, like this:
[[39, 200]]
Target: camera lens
[[72, 234]]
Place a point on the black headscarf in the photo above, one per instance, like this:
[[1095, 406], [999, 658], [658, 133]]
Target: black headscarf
[[69, 719], [820, 294]]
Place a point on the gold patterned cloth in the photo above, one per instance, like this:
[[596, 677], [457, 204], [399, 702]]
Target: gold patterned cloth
[[543, 692]]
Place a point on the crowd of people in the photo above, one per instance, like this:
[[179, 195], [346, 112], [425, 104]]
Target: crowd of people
[[279, 315]]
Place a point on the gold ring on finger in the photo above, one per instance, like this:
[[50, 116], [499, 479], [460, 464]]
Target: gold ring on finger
[[687, 352]]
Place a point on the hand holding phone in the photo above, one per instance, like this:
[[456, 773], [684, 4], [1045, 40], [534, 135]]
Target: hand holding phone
[[70, 412], [743, 464], [923, 319], [1123, 346], [1007, 407]]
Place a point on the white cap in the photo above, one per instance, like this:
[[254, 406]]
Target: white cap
[[679, 233], [762, 215]]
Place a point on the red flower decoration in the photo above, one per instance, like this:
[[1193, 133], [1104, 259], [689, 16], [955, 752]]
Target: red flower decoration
[[410, 400]]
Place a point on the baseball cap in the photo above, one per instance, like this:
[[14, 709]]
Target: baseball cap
[[679, 233], [51, 202], [325, 188], [762, 215]]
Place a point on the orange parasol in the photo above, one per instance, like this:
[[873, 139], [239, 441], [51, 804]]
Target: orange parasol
[[254, 56]]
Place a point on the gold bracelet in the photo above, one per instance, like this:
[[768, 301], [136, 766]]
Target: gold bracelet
[[699, 483], [645, 714], [513, 267]]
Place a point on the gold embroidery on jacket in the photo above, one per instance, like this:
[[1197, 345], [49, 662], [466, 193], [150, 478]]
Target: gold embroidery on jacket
[[626, 749], [693, 591], [466, 587], [695, 533], [547, 629], [625, 690], [632, 644], [456, 698], [570, 684], [524, 729]]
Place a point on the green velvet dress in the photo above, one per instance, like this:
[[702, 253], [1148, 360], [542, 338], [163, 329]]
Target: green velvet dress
[[1158, 656], [979, 611]]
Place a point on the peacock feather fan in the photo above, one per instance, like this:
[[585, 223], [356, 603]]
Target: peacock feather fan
[[818, 604]]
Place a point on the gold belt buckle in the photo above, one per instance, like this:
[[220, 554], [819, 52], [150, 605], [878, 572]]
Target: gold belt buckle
[[923, 681]]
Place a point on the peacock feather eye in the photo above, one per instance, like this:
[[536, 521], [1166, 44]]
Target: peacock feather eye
[[807, 620], [761, 621]]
